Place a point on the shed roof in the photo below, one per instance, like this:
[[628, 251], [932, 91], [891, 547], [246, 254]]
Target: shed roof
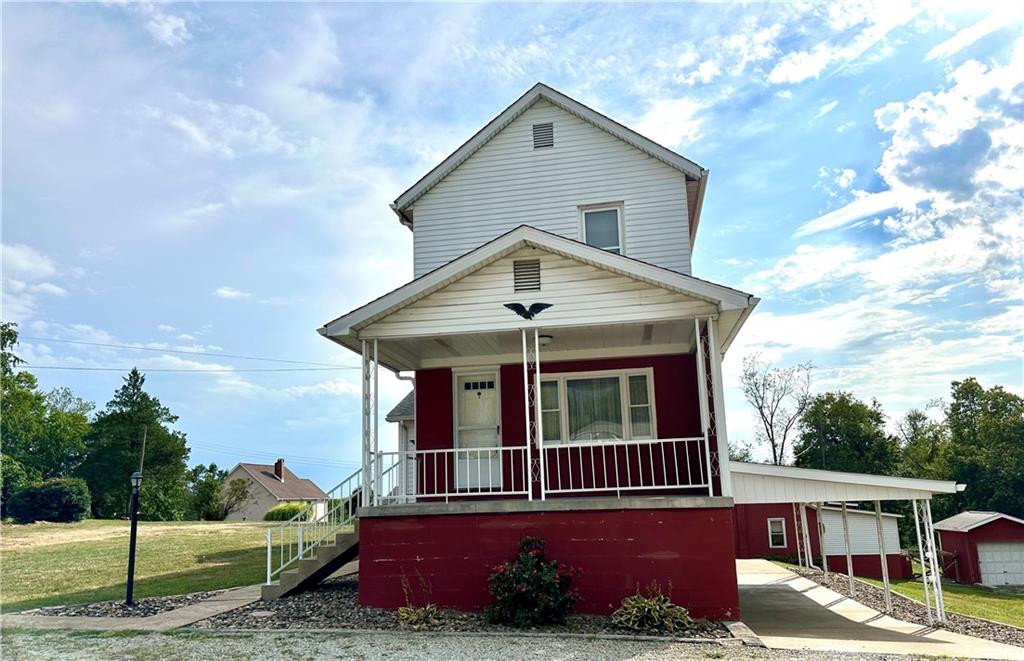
[[404, 410], [292, 487], [971, 519]]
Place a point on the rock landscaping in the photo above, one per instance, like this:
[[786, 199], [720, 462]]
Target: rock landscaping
[[909, 610], [335, 605], [141, 607]]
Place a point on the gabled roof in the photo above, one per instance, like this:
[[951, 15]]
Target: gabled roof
[[292, 488], [525, 236], [842, 477], [404, 410], [965, 521], [539, 91]]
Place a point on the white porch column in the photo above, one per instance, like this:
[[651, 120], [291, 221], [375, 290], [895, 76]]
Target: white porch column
[[531, 410], [929, 528], [925, 577], [369, 424], [821, 536], [849, 556], [538, 418], [702, 393], [376, 436], [718, 396], [881, 556]]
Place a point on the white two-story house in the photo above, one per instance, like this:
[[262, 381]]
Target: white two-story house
[[567, 373]]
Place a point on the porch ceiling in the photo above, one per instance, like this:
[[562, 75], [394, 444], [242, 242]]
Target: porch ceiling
[[567, 343]]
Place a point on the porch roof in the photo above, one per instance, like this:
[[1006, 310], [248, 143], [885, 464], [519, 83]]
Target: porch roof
[[730, 306], [765, 483]]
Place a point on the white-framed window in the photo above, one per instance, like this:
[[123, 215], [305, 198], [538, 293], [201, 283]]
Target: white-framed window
[[608, 405], [777, 533], [602, 226]]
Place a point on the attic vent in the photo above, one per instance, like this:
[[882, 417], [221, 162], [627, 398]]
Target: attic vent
[[527, 274], [543, 135]]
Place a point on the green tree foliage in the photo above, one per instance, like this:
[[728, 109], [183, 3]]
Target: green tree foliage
[[112, 454], [60, 500], [840, 432], [986, 431], [204, 486]]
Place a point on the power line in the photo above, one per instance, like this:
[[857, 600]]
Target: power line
[[186, 352], [227, 449], [197, 371]]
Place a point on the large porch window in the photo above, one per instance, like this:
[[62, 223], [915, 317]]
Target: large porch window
[[598, 406]]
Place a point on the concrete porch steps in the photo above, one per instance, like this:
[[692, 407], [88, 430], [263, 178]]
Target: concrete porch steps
[[323, 561]]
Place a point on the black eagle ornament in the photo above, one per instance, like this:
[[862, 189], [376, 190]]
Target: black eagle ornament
[[528, 313]]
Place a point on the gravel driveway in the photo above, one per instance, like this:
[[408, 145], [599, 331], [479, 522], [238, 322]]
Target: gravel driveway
[[36, 645]]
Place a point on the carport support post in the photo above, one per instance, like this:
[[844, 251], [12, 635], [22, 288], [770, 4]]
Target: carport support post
[[821, 536], [796, 538], [806, 537], [924, 563], [929, 529], [849, 557], [881, 556]]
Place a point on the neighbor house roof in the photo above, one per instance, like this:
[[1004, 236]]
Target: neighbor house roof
[[292, 487], [965, 521], [404, 410], [726, 298], [693, 172]]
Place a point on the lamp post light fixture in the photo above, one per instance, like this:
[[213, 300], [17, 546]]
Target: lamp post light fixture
[[136, 483]]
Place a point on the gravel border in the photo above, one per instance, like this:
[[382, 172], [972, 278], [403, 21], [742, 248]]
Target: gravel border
[[141, 608], [334, 605], [911, 610]]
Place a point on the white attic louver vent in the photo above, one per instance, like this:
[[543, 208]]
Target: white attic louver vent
[[527, 274], [543, 135]]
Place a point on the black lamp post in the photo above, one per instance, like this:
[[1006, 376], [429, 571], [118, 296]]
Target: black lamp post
[[136, 483]]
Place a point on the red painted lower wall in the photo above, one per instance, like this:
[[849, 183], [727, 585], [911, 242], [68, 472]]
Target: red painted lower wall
[[687, 550], [963, 566], [868, 566]]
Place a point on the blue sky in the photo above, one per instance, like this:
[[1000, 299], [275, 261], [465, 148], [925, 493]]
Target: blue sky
[[216, 177]]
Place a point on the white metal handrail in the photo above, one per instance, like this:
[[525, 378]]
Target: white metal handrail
[[454, 472], [625, 465], [300, 535]]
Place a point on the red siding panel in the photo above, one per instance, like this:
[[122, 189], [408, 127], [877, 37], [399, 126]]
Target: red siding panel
[[617, 550], [966, 568]]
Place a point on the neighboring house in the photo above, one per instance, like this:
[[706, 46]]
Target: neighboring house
[[567, 379], [983, 547], [775, 531], [271, 485]]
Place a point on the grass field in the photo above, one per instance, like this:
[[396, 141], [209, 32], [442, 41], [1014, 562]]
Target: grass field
[[987, 603], [47, 564]]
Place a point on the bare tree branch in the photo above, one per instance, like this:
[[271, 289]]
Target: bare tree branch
[[780, 396]]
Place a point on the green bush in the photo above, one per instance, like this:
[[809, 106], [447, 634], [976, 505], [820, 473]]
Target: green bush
[[285, 511], [531, 590], [651, 612], [61, 500]]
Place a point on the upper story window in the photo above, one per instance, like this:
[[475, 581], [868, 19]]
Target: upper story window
[[602, 227]]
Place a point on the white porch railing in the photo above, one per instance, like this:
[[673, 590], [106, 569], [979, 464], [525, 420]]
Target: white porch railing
[[454, 472], [299, 536], [617, 466]]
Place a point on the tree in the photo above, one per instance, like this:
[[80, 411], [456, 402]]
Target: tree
[[22, 414], [113, 447], [740, 452], [779, 397], [204, 486], [840, 432], [924, 446], [986, 433], [234, 495]]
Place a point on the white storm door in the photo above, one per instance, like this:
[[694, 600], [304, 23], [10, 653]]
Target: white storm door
[[477, 437], [1001, 563]]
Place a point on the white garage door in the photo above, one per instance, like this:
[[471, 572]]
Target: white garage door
[[1001, 563]]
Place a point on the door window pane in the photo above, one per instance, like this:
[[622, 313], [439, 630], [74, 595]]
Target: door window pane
[[595, 409], [640, 407], [551, 413], [640, 419], [601, 229]]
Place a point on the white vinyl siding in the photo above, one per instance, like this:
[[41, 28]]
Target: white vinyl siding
[[863, 533], [508, 183], [580, 294]]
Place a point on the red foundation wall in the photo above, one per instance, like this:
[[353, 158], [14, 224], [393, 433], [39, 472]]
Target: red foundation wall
[[868, 566], [689, 552]]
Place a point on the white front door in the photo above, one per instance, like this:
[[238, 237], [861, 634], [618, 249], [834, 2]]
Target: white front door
[[477, 420], [1001, 563]]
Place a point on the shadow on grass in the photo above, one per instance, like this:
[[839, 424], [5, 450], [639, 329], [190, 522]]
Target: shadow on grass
[[225, 569]]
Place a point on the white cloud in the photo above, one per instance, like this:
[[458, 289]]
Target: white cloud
[[27, 276], [25, 263], [806, 267], [998, 19], [826, 108], [231, 293], [672, 122], [865, 205], [168, 29], [166, 328]]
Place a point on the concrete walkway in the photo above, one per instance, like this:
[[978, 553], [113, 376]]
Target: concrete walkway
[[181, 617], [790, 612]]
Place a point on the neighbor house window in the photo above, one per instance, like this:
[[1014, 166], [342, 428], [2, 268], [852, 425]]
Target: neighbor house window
[[602, 227], [598, 406], [777, 533]]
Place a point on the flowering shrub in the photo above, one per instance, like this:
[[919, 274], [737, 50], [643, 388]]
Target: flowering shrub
[[651, 612], [531, 590]]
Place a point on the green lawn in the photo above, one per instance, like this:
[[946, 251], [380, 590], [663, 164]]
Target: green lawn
[[988, 603], [47, 564]]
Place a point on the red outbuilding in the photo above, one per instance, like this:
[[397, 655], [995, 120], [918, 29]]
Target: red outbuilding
[[983, 547]]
